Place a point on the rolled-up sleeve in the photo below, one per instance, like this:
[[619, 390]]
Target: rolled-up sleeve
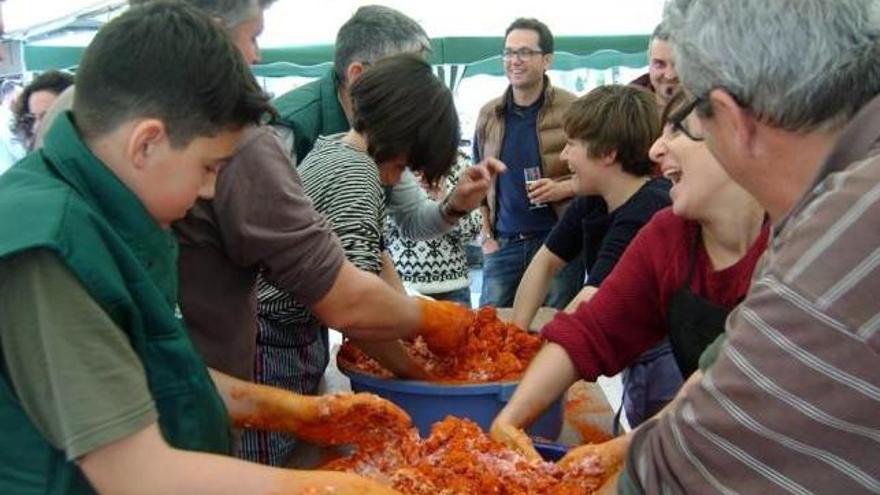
[[268, 220]]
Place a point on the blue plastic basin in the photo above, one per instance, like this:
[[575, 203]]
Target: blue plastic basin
[[428, 403], [551, 452]]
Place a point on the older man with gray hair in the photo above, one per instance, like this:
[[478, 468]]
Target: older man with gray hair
[[323, 107], [661, 78], [786, 98]]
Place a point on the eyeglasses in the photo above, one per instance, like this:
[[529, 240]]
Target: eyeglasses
[[28, 119], [521, 54], [676, 119]]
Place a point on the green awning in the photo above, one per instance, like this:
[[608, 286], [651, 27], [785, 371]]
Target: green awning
[[479, 54], [601, 60]]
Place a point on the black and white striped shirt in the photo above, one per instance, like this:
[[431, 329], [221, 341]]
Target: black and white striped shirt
[[343, 183]]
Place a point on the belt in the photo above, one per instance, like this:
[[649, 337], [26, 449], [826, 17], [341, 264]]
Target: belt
[[520, 237]]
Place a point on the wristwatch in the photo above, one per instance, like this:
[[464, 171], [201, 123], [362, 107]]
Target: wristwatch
[[450, 213]]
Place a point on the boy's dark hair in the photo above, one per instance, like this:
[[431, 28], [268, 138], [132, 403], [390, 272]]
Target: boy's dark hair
[[403, 109], [169, 61], [545, 37], [616, 118], [54, 81]]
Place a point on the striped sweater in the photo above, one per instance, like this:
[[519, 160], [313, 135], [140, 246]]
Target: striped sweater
[[792, 403], [343, 183]]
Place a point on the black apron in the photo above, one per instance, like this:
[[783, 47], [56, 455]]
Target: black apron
[[649, 384], [694, 321]]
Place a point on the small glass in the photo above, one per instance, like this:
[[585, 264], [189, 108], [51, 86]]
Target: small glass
[[532, 175]]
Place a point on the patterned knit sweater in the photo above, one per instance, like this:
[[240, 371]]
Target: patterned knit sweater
[[440, 264]]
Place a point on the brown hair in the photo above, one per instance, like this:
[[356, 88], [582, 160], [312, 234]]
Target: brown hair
[[616, 118], [545, 37], [678, 99]]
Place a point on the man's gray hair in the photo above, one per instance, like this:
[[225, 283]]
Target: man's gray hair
[[797, 64], [660, 32], [375, 31]]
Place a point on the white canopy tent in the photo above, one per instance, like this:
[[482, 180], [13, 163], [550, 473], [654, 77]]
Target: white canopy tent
[[64, 25], [290, 23]]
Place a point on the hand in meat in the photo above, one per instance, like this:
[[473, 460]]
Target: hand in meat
[[445, 325]]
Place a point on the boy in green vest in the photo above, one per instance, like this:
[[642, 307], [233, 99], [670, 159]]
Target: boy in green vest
[[101, 390]]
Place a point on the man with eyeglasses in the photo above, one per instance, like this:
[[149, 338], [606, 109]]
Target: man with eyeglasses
[[662, 78], [787, 401], [523, 128]]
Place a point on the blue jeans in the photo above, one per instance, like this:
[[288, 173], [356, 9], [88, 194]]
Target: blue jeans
[[503, 270]]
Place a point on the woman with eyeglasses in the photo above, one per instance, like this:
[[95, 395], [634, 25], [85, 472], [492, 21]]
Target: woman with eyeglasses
[[35, 100], [679, 278]]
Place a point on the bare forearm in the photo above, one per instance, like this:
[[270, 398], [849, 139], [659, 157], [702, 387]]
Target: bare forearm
[[612, 453], [255, 406], [529, 295], [228, 387], [534, 286], [392, 356], [363, 306], [586, 293], [389, 273], [143, 464], [548, 377]]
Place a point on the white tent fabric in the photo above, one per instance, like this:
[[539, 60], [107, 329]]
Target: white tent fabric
[[290, 22]]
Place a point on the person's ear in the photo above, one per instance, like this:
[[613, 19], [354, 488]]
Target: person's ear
[[354, 71], [733, 119], [143, 142], [610, 158], [548, 61]]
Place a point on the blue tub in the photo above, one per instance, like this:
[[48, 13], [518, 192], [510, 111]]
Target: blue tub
[[551, 452], [428, 403]]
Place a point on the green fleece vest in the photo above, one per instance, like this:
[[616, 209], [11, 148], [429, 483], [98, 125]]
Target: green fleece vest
[[310, 111], [64, 199]]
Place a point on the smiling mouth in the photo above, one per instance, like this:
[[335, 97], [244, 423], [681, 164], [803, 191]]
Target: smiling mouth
[[673, 175]]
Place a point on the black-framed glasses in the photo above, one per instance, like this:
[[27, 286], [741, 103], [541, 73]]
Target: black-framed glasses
[[28, 119], [676, 119], [520, 54]]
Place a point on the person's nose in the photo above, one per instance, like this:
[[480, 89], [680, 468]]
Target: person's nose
[[208, 186], [670, 74], [658, 150]]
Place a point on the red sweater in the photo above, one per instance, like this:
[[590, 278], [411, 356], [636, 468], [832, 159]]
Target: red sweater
[[628, 315]]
